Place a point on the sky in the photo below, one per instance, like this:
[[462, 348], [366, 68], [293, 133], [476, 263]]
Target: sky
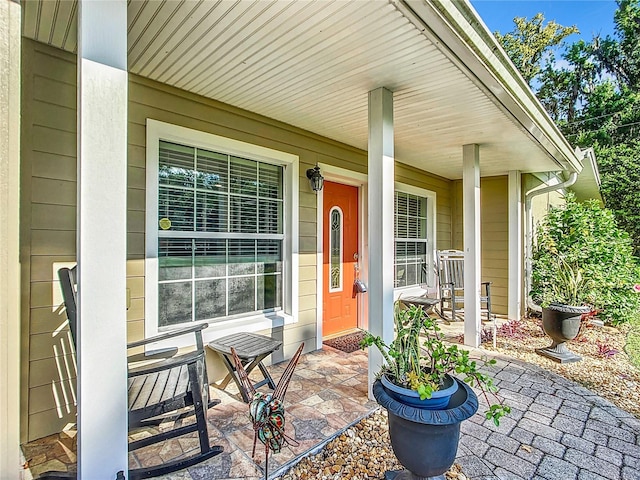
[[590, 16]]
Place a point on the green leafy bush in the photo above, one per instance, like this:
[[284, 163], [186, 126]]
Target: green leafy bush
[[581, 257]]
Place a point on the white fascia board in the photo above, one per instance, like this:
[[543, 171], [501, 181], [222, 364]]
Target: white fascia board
[[587, 185], [589, 161], [457, 30]]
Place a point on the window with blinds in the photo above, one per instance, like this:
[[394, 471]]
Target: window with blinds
[[220, 235], [410, 260]]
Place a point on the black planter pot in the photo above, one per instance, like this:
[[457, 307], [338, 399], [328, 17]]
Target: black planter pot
[[562, 324], [426, 441]]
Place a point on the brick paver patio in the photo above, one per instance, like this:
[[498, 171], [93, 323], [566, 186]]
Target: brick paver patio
[[557, 430]]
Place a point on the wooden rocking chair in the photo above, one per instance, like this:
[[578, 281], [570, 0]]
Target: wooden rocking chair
[[171, 387], [451, 284]]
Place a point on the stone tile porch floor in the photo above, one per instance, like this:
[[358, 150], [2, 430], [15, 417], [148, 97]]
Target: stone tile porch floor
[[327, 393], [558, 430]]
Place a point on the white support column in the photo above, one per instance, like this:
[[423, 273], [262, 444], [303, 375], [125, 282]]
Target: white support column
[[472, 252], [381, 211], [102, 238], [10, 32], [515, 245]]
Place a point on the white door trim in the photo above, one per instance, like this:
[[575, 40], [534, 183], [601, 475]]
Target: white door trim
[[355, 179]]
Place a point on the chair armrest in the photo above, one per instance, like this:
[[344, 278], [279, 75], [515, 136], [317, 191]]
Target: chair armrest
[[447, 286], [155, 354], [170, 334], [167, 364]]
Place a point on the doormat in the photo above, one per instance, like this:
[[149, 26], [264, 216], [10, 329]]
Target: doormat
[[347, 343]]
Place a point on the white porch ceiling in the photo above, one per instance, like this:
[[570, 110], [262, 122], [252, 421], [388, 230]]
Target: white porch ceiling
[[311, 64]]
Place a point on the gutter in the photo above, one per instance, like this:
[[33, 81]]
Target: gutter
[[528, 243]]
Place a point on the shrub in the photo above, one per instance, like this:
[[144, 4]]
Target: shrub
[[582, 240]]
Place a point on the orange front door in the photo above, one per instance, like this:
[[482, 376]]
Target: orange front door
[[340, 257]]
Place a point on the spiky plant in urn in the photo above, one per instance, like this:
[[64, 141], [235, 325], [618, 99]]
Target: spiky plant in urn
[[426, 403], [563, 293]]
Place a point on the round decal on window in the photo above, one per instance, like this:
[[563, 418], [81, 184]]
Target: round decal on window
[[165, 223]]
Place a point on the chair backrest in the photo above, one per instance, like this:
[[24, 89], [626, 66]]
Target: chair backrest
[[68, 283], [451, 268]]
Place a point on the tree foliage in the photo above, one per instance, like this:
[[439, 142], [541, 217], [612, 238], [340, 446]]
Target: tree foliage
[[593, 94], [620, 55], [527, 44], [619, 167], [565, 89]]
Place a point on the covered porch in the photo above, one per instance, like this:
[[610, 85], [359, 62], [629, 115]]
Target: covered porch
[[327, 394], [378, 94]]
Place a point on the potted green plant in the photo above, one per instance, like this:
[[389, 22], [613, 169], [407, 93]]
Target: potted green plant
[[564, 293], [424, 427]]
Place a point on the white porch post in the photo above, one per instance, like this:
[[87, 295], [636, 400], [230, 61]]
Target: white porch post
[[381, 210], [472, 253], [102, 238], [10, 32], [515, 245]]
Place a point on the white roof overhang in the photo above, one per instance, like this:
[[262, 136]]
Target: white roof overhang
[[311, 64]]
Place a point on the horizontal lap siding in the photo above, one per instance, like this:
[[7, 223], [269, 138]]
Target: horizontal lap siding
[[148, 99], [494, 235], [457, 227], [48, 205], [540, 204], [48, 240], [442, 188]]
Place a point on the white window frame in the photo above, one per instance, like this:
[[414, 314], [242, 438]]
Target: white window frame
[[431, 240], [252, 322]]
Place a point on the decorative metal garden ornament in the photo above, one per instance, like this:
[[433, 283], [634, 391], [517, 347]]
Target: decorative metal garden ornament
[[266, 410]]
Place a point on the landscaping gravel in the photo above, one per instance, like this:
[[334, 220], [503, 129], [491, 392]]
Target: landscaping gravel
[[360, 452]]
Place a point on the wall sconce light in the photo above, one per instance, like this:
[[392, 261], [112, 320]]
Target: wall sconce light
[[316, 180]]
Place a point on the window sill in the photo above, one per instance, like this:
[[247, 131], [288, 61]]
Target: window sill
[[252, 324]]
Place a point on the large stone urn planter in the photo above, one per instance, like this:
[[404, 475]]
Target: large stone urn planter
[[562, 324], [425, 441]]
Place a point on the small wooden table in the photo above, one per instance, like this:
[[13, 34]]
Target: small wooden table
[[425, 303], [251, 349]]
